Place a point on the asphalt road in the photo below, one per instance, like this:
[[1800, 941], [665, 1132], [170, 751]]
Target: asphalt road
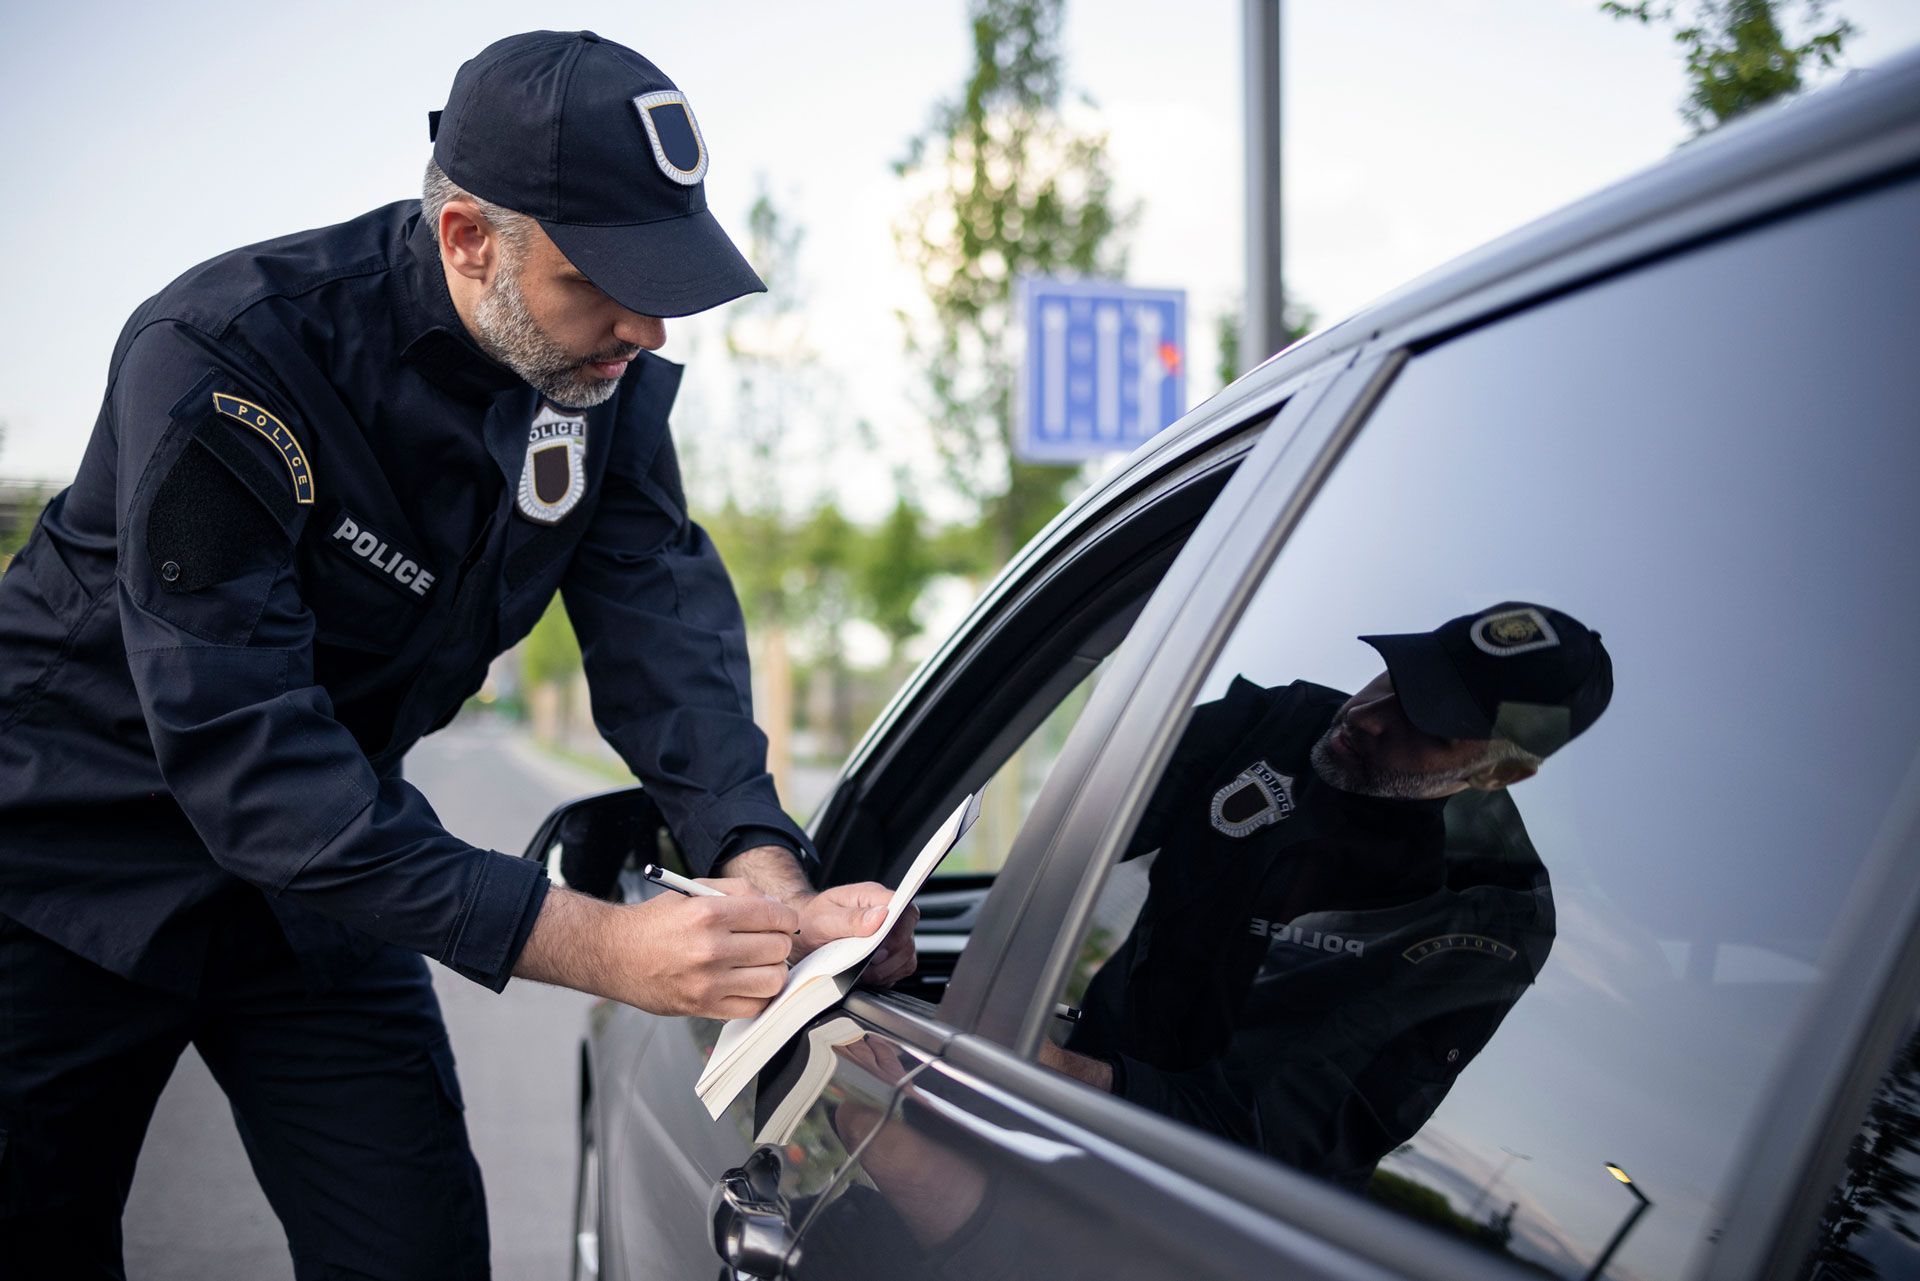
[[196, 1213]]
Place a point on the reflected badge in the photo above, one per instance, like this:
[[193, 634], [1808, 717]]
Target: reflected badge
[[1259, 796], [1514, 631], [555, 476]]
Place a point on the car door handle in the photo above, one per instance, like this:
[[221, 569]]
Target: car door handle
[[750, 1228]]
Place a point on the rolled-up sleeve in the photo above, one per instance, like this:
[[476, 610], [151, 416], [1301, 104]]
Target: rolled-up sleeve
[[665, 649], [220, 647]]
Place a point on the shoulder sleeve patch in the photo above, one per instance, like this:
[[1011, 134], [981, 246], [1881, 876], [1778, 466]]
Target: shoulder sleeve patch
[[277, 435], [206, 525]]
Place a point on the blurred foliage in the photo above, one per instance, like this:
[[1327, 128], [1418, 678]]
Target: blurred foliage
[[1003, 184], [20, 507], [1738, 54], [1429, 1205], [1300, 321], [895, 565], [551, 653]]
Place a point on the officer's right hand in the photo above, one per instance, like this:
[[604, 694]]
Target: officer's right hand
[[717, 957]]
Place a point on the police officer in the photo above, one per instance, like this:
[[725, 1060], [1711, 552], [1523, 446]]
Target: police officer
[[1344, 903], [334, 475]]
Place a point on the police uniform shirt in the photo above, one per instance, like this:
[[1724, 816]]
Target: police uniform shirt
[[310, 514], [1311, 968]]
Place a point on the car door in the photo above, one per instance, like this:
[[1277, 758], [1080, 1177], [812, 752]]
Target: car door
[[1723, 490], [976, 725]]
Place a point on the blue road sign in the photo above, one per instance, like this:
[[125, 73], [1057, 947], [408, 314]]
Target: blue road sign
[[1105, 367]]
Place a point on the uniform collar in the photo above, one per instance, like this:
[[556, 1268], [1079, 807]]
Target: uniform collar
[[435, 340]]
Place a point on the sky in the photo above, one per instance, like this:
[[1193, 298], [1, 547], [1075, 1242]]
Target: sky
[[143, 139]]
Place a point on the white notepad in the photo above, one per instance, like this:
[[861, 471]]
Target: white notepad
[[817, 982]]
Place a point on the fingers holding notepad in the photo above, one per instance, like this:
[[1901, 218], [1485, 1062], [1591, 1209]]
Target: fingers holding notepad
[[856, 911], [717, 956]]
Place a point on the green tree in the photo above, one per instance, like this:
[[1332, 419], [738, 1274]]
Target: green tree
[[829, 549], [551, 653], [898, 560], [1738, 53], [760, 452], [772, 358], [1003, 183]]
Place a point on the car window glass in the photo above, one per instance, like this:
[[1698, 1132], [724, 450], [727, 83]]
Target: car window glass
[[1499, 918], [1010, 793], [1871, 1225]]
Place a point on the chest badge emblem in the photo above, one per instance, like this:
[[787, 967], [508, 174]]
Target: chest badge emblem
[[555, 475], [1258, 797]]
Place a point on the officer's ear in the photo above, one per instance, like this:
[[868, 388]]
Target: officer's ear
[[468, 243]]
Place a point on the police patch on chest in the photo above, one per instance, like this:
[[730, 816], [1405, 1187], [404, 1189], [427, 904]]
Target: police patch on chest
[[555, 476], [1257, 798]]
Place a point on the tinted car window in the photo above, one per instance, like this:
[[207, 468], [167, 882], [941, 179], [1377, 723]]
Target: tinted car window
[[1010, 793], [1530, 1007]]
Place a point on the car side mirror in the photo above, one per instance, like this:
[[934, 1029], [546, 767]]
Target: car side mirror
[[585, 844]]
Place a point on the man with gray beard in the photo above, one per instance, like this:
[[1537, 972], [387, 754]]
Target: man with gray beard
[[334, 476], [1343, 901]]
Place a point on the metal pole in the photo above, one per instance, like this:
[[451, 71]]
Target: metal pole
[[1263, 326], [1606, 1255]]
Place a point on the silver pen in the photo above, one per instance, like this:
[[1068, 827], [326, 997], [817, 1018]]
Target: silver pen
[[678, 883]]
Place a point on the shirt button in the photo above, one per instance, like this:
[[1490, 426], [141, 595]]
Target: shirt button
[[171, 571]]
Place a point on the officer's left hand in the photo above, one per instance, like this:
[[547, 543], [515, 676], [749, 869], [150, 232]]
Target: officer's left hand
[[848, 911]]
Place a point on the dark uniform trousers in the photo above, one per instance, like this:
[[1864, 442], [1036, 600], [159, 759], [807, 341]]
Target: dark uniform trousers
[[345, 1098]]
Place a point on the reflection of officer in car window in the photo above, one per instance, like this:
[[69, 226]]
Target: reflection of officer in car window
[[1345, 902]]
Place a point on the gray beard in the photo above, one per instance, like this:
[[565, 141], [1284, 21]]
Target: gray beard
[[509, 334], [1389, 785]]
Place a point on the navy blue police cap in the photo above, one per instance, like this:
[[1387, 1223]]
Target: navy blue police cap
[[596, 144], [1518, 671]]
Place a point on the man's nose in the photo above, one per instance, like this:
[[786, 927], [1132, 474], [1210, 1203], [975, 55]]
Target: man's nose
[[646, 332], [1371, 716]]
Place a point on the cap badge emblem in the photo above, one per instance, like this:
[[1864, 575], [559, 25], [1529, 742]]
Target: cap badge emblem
[[1257, 797], [678, 148], [1514, 631], [555, 476]]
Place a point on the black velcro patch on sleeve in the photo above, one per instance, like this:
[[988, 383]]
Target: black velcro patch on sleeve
[[205, 526], [267, 480]]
